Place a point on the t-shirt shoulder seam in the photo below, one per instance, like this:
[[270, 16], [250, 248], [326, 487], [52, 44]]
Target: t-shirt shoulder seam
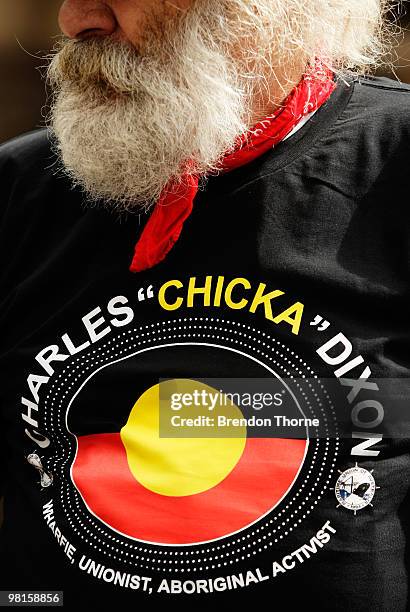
[[400, 87], [315, 139]]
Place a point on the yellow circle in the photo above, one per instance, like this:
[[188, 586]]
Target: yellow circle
[[177, 466]]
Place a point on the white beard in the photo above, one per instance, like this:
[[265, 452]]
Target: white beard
[[128, 122], [126, 125]]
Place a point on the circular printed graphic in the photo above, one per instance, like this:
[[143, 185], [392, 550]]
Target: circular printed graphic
[[182, 490], [108, 488], [355, 488]]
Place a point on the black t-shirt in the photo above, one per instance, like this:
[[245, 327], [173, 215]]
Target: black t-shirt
[[293, 269]]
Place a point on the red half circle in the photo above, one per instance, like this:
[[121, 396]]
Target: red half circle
[[261, 478]]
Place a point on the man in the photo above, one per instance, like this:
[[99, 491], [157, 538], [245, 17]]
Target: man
[[218, 209]]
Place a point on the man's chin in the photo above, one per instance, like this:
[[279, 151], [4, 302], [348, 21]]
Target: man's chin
[[104, 178]]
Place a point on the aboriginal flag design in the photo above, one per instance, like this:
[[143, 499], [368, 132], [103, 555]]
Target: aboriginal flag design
[[171, 490]]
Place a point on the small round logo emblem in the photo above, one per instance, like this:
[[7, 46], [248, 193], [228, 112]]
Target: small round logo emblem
[[355, 488]]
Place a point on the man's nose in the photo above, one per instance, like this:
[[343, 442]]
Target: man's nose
[[86, 18]]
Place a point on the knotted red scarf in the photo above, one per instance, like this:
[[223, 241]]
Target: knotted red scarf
[[175, 205]]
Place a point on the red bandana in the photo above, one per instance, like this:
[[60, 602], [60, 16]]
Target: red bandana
[[165, 224]]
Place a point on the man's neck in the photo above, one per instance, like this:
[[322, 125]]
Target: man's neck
[[273, 94]]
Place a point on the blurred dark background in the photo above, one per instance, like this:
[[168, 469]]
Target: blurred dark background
[[31, 25]]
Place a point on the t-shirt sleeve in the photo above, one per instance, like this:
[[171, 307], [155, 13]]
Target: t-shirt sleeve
[[5, 188], [2, 462]]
